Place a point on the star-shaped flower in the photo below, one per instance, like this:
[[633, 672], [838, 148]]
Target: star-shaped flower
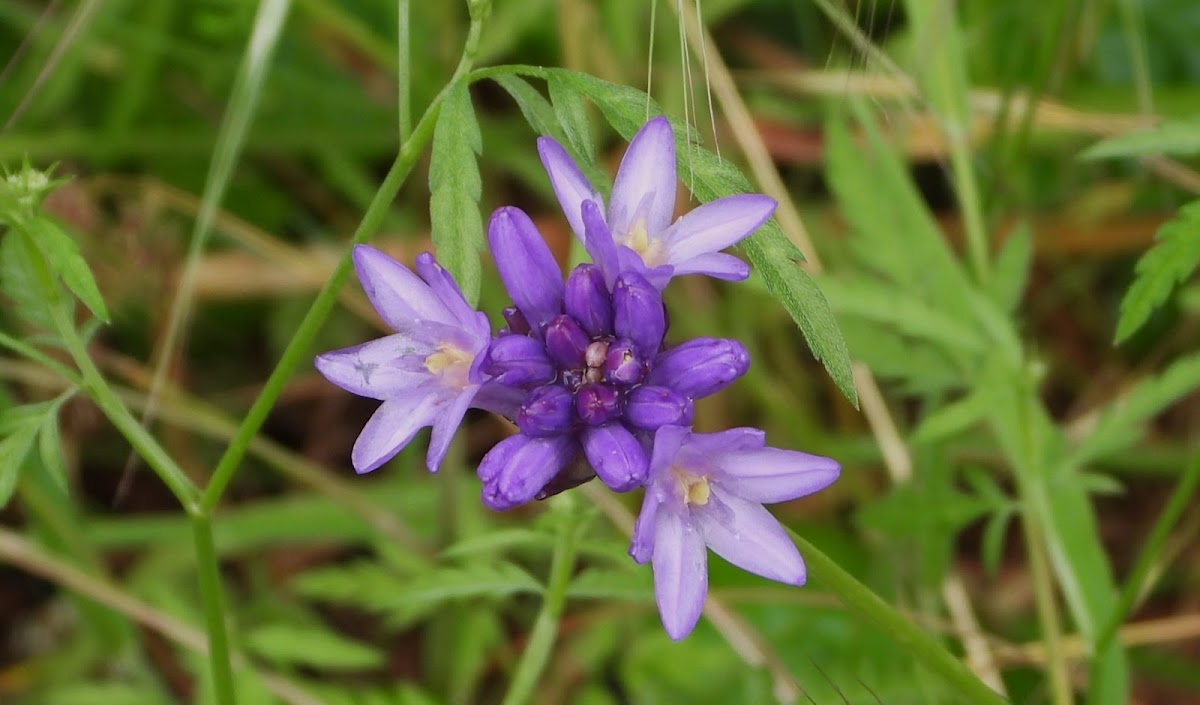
[[708, 489], [643, 203], [426, 374]]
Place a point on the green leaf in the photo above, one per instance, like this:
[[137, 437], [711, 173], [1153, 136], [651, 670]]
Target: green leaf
[[538, 112], [992, 543], [710, 177], [1177, 138], [498, 542], [19, 427], [455, 189], [951, 419], [20, 282], [607, 584], [1120, 425], [62, 253], [1173, 258], [402, 600], [1010, 275], [50, 446], [313, 646], [881, 304], [572, 117], [95, 692]]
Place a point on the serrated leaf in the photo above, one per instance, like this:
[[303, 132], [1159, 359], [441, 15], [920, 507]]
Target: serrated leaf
[[1176, 138], [1172, 258], [1010, 274], [313, 646], [62, 253], [533, 105], [455, 189], [606, 584], [1120, 425], [572, 117], [774, 256]]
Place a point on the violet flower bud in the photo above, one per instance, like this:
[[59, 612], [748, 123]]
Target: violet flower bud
[[623, 365], [519, 467], [648, 407], [597, 404], [638, 312], [588, 300], [547, 411], [518, 361], [700, 367], [566, 342], [616, 455]]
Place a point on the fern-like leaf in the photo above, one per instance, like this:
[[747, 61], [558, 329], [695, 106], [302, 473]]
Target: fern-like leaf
[[1173, 258]]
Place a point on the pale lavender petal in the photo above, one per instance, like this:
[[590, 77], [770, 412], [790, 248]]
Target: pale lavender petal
[[746, 535], [378, 369], [526, 266], [641, 547], [717, 265], [519, 467], [645, 181], [570, 185], [447, 291], [680, 572], [617, 457], [774, 475], [448, 420], [716, 225], [729, 441], [399, 296], [394, 424], [667, 441], [598, 241]]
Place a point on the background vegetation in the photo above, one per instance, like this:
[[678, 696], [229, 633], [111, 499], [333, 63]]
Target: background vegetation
[[972, 185]]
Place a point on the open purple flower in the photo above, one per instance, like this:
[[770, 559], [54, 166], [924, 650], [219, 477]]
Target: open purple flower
[[643, 202], [708, 489], [590, 362], [427, 373]]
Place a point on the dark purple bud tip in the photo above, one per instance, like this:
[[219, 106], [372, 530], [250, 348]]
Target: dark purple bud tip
[[518, 361], [648, 407], [617, 457], [700, 367], [547, 411], [566, 342], [623, 365], [516, 321], [597, 404], [638, 312], [588, 300]]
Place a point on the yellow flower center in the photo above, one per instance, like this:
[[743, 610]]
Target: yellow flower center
[[649, 249], [694, 487], [452, 363]]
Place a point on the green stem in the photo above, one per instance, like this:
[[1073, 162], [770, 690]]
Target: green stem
[[868, 605], [209, 574], [298, 348], [404, 67], [545, 628], [96, 387], [1043, 591], [27, 350], [1136, 582]]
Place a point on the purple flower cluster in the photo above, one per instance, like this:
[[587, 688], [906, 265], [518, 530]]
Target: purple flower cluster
[[584, 370]]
